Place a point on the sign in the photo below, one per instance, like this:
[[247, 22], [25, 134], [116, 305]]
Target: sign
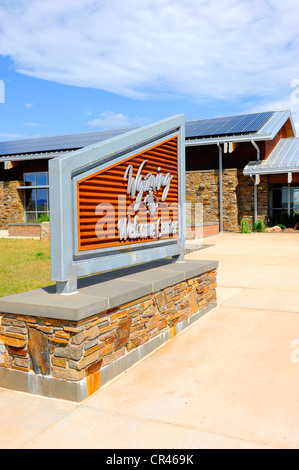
[[118, 203], [133, 201]]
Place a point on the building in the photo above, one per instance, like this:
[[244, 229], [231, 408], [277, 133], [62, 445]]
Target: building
[[243, 166], [236, 166]]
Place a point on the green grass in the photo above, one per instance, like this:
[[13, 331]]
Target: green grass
[[24, 265]]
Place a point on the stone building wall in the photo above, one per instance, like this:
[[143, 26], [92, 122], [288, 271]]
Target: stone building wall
[[245, 198], [230, 206], [238, 196], [12, 204], [45, 231], [202, 187]]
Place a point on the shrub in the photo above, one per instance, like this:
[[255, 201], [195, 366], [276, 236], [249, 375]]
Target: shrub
[[43, 218], [259, 226], [245, 227], [281, 226]]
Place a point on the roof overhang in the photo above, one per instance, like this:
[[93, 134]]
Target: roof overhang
[[284, 158], [226, 139], [276, 171], [32, 156]]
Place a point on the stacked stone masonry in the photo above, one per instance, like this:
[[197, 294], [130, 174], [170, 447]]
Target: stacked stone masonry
[[72, 350], [202, 187], [11, 203]]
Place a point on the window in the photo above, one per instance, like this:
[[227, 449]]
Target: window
[[295, 199], [279, 198], [284, 199], [36, 186]]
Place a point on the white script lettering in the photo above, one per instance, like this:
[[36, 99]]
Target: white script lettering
[[138, 185], [128, 228]]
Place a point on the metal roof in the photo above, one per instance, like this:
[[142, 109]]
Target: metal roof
[[245, 127], [273, 125], [283, 159]]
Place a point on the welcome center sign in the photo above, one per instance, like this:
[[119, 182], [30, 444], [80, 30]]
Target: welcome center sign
[[118, 203]]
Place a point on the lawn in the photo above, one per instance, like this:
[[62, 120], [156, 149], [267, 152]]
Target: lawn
[[24, 265]]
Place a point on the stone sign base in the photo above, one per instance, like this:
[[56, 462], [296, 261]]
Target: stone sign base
[[68, 346]]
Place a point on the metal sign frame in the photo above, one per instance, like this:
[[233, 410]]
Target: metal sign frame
[[67, 263]]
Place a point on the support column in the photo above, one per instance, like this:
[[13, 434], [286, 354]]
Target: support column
[[220, 191], [289, 193], [256, 183]]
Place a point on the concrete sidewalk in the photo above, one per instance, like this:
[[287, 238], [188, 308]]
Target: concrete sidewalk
[[229, 381]]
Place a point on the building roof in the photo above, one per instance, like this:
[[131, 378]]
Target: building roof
[[57, 143], [245, 127], [284, 158], [266, 126], [228, 125]]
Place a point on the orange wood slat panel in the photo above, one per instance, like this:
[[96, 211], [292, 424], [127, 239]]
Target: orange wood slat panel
[[106, 186]]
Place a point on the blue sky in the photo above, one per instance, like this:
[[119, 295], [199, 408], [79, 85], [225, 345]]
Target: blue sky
[[80, 65]]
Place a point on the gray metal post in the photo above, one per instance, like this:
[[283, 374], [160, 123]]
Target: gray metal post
[[255, 181], [220, 190], [289, 192], [66, 287], [255, 202], [182, 196]]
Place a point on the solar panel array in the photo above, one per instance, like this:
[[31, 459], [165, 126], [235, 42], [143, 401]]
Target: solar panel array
[[212, 127], [243, 124], [60, 142]]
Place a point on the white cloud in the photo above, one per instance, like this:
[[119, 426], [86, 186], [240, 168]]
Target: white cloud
[[228, 49], [29, 105], [32, 124], [290, 102], [2, 92], [110, 120], [6, 135]]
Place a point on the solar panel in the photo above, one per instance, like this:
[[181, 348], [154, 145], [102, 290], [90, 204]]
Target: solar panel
[[204, 126], [258, 122], [242, 124], [224, 127]]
